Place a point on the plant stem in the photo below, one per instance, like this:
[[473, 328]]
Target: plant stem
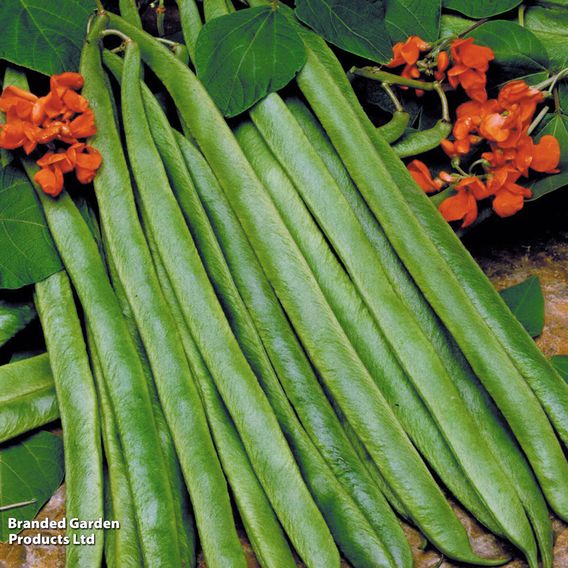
[[443, 100], [15, 505], [442, 195], [538, 118], [521, 15], [112, 32], [377, 74], [551, 81], [397, 104]]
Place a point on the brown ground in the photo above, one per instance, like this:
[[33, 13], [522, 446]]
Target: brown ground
[[544, 253]]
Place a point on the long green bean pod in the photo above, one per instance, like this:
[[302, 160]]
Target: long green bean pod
[[367, 410], [183, 514], [122, 547], [78, 408], [27, 396], [177, 391], [260, 432], [373, 173], [487, 417]]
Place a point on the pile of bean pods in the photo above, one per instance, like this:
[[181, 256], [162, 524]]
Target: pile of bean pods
[[268, 323]]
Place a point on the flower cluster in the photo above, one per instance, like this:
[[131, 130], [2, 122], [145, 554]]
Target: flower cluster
[[63, 116], [470, 63], [499, 128], [502, 124]]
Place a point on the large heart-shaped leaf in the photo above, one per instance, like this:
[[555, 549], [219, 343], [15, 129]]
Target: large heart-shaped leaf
[[557, 126], [404, 18], [550, 25], [241, 57], [44, 35], [526, 301], [357, 26], [481, 8], [28, 253], [31, 469], [517, 50]]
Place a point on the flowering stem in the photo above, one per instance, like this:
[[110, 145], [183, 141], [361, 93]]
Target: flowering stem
[[481, 161], [112, 32], [537, 119], [551, 81], [377, 74], [100, 7], [442, 195], [443, 100], [397, 104]]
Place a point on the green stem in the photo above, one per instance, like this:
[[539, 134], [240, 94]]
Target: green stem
[[111, 32], [521, 15], [538, 118], [15, 505], [551, 81], [442, 195], [443, 100], [377, 74], [168, 42], [397, 104], [160, 16]]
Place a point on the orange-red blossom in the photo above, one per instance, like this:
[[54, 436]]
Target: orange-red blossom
[[62, 115], [470, 65]]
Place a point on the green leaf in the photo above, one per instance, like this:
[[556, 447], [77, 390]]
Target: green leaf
[[241, 57], [44, 35], [451, 25], [404, 18], [14, 316], [558, 127], [28, 252], [517, 50], [550, 25], [560, 363], [357, 26], [31, 469], [526, 301], [481, 8]]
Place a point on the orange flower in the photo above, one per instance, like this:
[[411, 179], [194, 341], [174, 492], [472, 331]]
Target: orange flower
[[408, 52], [459, 147], [520, 97], [442, 64], [87, 162], [510, 199], [67, 80], [60, 160], [422, 176], [83, 126], [546, 155], [477, 57], [463, 205], [17, 103], [50, 179], [470, 66]]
